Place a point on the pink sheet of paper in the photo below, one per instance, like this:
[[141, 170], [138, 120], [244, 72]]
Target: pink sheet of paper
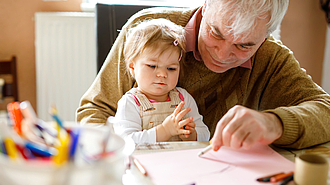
[[226, 166]]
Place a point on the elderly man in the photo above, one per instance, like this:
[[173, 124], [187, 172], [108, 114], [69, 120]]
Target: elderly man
[[247, 85]]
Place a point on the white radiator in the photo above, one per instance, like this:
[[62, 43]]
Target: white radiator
[[65, 61]]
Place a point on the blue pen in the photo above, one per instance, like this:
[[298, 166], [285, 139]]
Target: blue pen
[[59, 122], [53, 113], [75, 133], [3, 148], [39, 149]]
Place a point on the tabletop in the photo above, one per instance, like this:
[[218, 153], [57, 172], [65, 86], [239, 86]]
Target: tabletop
[[133, 176]]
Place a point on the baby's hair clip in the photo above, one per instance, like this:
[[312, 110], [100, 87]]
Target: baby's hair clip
[[180, 56], [176, 43]]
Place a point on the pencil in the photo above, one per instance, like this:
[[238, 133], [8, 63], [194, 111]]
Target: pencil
[[205, 150], [280, 177], [267, 178], [287, 180], [140, 167]]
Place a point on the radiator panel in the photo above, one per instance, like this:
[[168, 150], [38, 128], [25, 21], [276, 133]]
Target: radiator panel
[[65, 61]]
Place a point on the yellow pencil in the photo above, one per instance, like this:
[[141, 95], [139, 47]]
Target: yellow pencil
[[62, 155], [11, 148]]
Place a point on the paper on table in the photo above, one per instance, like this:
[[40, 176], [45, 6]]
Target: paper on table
[[227, 166]]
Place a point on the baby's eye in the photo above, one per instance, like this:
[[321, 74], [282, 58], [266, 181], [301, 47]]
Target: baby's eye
[[151, 66], [171, 68]]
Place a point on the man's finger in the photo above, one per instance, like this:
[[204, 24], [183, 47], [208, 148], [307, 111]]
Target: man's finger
[[217, 140]]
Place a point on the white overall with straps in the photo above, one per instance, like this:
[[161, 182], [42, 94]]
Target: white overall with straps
[[153, 114]]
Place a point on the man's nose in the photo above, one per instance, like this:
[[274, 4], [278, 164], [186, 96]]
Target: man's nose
[[223, 50]]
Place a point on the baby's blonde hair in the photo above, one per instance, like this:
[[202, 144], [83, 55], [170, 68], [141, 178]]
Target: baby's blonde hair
[[154, 34]]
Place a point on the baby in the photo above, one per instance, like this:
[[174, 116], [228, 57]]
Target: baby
[[157, 110]]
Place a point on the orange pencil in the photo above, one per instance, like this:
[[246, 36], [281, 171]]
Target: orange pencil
[[15, 116], [280, 177], [140, 167], [267, 178]]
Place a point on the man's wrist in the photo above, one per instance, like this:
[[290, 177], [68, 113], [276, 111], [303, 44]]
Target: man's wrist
[[277, 126]]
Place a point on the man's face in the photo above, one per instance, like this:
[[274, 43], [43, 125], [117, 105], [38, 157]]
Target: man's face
[[218, 48]]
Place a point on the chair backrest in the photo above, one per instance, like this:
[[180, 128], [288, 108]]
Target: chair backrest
[[110, 18], [10, 87]]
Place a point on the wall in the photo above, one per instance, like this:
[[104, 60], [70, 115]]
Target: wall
[[17, 38], [303, 30]]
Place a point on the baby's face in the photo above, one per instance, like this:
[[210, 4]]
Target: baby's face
[[156, 72]]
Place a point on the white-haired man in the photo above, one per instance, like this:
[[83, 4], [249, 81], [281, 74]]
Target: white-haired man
[[247, 85]]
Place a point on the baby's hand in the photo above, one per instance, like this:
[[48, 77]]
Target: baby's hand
[[192, 136], [174, 124]]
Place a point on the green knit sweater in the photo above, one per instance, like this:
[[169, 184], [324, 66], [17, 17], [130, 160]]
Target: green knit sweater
[[275, 84]]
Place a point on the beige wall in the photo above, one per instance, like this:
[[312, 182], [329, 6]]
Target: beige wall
[[17, 38], [303, 30]]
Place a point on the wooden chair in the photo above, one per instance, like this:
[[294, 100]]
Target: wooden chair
[[10, 87]]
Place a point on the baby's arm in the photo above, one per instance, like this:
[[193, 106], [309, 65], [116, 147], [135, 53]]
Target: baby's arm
[[202, 131], [173, 124], [192, 136], [127, 122]]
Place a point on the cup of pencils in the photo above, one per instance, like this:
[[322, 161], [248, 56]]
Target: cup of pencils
[[36, 152]]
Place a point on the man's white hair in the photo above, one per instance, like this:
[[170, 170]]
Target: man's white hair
[[242, 14]]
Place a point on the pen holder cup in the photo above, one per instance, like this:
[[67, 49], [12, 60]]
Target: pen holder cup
[[311, 169], [107, 170]]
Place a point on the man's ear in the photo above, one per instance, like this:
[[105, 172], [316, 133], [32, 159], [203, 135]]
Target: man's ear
[[131, 68]]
